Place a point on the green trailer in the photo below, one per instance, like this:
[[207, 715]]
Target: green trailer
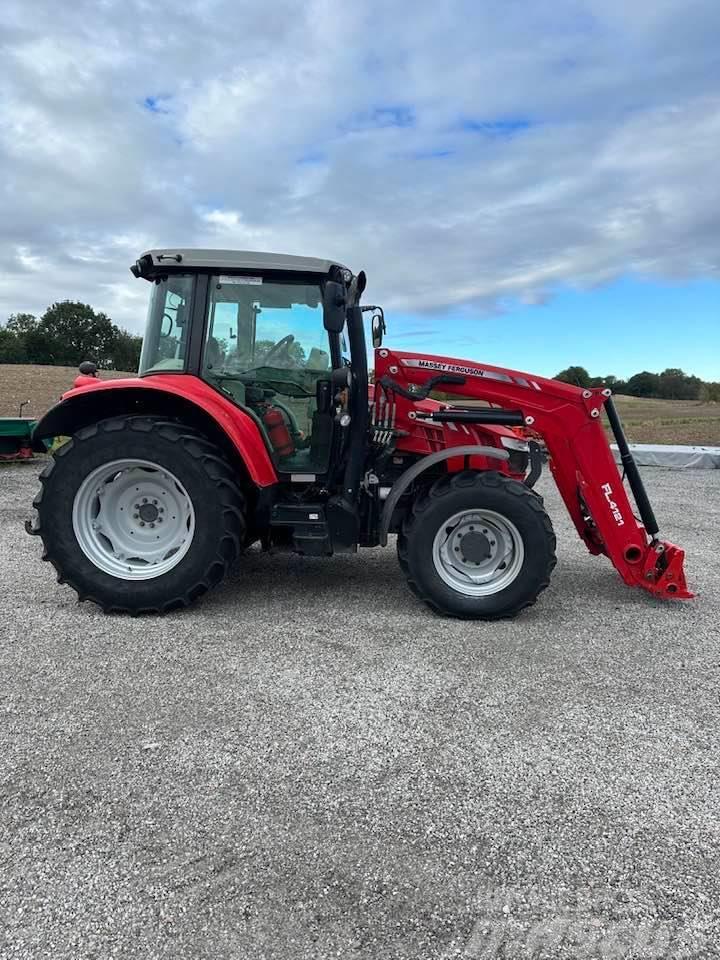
[[16, 438]]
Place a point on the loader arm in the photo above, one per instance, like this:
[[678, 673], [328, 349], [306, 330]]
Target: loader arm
[[569, 421]]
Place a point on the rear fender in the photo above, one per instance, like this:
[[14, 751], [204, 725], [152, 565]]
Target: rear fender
[[177, 396]]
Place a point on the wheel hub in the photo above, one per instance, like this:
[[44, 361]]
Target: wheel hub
[[133, 519], [474, 547], [478, 552], [148, 512]]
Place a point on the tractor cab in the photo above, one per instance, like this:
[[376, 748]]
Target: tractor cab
[[267, 332]]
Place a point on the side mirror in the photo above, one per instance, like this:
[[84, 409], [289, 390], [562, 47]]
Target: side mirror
[[334, 306], [378, 328]]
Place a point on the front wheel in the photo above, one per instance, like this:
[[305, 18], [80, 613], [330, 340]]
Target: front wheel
[[477, 545], [140, 514]]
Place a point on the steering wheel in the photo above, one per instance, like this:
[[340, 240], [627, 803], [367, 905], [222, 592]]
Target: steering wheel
[[277, 349]]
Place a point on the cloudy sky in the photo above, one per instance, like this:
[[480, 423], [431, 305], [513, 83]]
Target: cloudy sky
[[530, 184]]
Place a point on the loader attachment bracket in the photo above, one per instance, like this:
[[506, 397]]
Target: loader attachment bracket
[[663, 571]]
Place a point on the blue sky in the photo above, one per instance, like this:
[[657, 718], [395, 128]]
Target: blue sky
[[620, 328], [526, 183]]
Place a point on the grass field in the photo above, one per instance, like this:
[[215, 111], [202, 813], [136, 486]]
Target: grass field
[[646, 421], [41, 385], [670, 421]]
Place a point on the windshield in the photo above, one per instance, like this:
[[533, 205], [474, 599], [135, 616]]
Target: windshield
[[168, 325]]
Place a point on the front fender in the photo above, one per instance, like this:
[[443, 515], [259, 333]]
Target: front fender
[[412, 473], [180, 396]]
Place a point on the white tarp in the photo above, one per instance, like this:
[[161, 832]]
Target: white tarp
[[665, 455]]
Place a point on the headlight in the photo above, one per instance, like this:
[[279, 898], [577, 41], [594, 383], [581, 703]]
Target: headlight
[[510, 443]]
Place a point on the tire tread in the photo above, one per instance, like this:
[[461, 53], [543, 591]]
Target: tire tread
[[220, 476], [463, 480]]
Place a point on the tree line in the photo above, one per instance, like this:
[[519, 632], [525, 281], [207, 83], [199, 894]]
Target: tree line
[[65, 335], [671, 384]]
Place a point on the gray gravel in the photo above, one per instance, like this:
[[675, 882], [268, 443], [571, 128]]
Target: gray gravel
[[311, 765]]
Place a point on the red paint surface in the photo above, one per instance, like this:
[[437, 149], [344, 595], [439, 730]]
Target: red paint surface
[[239, 427]]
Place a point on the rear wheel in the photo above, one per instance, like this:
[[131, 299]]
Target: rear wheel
[[477, 546], [140, 514]]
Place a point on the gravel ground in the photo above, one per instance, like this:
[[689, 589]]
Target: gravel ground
[[311, 765]]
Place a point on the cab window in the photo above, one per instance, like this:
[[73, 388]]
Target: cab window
[[168, 324]]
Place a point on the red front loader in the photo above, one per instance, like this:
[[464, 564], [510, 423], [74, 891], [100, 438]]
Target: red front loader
[[252, 418]]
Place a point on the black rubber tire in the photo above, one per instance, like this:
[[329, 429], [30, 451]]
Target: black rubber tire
[[467, 490], [199, 465]]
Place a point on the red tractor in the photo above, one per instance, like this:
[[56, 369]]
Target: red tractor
[[253, 418]]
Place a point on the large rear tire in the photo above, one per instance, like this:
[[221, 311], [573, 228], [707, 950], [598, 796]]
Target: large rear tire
[[140, 514], [478, 546]]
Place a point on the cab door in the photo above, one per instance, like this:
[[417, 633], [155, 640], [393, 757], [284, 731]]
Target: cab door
[[266, 348]]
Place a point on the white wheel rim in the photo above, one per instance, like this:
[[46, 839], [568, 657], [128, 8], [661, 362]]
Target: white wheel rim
[[491, 558], [133, 519]]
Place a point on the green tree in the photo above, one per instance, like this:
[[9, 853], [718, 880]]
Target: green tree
[[125, 353], [14, 336], [38, 348], [21, 324], [710, 392], [675, 384], [75, 332], [578, 376], [614, 383], [12, 348], [644, 384]]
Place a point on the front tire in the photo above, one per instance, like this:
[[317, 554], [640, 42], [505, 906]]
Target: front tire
[[140, 514], [478, 546]]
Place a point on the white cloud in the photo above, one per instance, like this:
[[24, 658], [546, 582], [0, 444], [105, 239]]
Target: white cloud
[[354, 131]]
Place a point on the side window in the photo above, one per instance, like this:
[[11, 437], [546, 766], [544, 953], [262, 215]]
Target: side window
[[301, 327]]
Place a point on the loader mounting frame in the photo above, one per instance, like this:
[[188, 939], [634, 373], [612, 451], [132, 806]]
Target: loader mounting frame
[[568, 419]]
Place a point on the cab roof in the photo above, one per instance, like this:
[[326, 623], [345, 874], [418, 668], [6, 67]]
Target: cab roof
[[238, 260]]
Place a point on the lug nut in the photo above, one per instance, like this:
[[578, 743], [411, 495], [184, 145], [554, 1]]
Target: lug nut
[[136, 516], [142, 523], [145, 500], [152, 526]]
